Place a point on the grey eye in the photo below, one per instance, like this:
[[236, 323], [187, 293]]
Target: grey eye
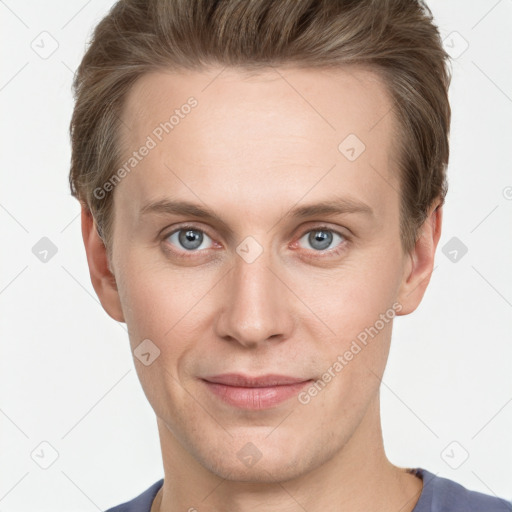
[[320, 239], [189, 239]]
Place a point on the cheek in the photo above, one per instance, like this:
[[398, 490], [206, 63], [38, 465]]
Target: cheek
[[151, 302], [358, 304], [167, 306], [354, 296], [144, 307], [156, 305]]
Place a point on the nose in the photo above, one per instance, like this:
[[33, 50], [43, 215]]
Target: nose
[[256, 307]]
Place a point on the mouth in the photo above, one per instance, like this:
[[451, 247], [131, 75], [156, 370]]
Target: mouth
[[261, 392]]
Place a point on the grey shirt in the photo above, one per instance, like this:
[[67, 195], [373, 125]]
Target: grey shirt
[[438, 495]]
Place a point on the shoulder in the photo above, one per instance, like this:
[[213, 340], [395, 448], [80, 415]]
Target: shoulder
[[444, 495], [142, 503]]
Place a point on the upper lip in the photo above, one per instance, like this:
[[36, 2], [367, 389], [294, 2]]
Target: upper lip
[[246, 381]]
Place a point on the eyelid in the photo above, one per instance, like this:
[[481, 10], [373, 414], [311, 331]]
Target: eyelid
[[181, 227], [324, 227]]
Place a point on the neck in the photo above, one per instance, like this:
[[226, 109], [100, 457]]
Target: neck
[[357, 478]]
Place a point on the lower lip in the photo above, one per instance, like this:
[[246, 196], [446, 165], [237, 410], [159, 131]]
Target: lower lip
[[255, 398]]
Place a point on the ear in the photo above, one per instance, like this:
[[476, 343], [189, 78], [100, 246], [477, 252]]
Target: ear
[[420, 261], [102, 279]]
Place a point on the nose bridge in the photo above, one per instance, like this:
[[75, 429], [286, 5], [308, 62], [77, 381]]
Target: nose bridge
[[255, 307]]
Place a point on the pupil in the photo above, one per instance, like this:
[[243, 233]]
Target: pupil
[[320, 239], [191, 239]]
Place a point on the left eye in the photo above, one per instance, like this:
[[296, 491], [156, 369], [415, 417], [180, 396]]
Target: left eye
[[190, 239], [321, 239]]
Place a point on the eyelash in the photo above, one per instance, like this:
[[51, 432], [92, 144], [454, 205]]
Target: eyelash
[[318, 254]]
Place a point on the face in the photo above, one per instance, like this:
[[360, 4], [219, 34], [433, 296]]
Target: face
[[257, 246]]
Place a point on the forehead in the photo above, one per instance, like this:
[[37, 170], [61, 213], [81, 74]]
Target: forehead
[[277, 131]]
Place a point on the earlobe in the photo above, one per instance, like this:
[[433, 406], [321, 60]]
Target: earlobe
[[102, 279], [421, 261]]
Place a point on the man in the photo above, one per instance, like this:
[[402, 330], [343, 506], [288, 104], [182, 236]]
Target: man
[[262, 185]]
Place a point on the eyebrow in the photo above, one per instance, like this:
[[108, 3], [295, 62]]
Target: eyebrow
[[331, 206]]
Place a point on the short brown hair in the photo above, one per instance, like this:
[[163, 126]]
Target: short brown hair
[[395, 38]]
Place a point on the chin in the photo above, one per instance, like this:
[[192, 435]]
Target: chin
[[264, 471], [263, 460]]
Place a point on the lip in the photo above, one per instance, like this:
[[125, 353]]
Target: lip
[[261, 392]]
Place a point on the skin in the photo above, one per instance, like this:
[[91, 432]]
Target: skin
[[254, 148]]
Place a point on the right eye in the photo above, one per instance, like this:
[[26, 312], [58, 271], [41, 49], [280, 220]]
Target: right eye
[[189, 239]]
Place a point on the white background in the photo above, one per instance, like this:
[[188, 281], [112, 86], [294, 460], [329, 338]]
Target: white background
[[67, 375]]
